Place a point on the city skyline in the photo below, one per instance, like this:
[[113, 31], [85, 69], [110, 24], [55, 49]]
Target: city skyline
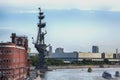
[[74, 25]]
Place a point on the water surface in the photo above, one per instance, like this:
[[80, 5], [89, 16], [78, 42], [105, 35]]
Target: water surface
[[80, 74]]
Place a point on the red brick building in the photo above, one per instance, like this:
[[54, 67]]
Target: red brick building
[[14, 64]]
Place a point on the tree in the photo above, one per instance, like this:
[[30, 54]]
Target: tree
[[33, 60], [52, 61], [106, 61]]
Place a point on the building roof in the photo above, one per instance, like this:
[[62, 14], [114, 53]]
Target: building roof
[[9, 44]]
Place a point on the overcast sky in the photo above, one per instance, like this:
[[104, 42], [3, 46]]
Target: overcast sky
[[75, 25]]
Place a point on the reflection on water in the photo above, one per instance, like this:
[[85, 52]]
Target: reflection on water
[[80, 74]]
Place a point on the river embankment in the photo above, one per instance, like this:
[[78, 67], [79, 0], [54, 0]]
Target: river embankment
[[83, 66]]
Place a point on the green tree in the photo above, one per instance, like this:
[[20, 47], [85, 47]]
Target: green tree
[[52, 61], [106, 61], [34, 60]]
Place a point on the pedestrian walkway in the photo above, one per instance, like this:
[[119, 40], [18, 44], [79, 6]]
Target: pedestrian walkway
[[38, 78]]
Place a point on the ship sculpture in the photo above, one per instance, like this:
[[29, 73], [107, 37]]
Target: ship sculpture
[[40, 43]]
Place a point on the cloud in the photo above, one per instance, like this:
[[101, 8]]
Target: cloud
[[111, 5]]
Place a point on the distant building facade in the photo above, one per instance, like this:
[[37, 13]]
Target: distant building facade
[[50, 50], [67, 56], [95, 49], [14, 64], [85, 55], [59, 50], [80, 56]]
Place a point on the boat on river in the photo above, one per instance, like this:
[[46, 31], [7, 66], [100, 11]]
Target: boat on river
[[106, 75], [117, 74]]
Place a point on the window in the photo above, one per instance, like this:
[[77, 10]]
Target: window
[[10, 51], [7, 51], [4, 60], [7, 60], [4, 52], [0, 59], [7, 66]]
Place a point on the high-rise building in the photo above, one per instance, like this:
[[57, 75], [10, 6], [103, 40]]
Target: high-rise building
[[50, 50], [117, 54], [95, 49], [14, 64], [59, 50]]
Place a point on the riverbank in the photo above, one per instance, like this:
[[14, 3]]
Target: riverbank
[[84, 66]]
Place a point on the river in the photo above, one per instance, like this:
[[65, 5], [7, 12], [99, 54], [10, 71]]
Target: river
[[80, 74]]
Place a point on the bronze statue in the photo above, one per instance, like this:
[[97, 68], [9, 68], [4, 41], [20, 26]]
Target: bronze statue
[[40, 43], [42, 35]]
